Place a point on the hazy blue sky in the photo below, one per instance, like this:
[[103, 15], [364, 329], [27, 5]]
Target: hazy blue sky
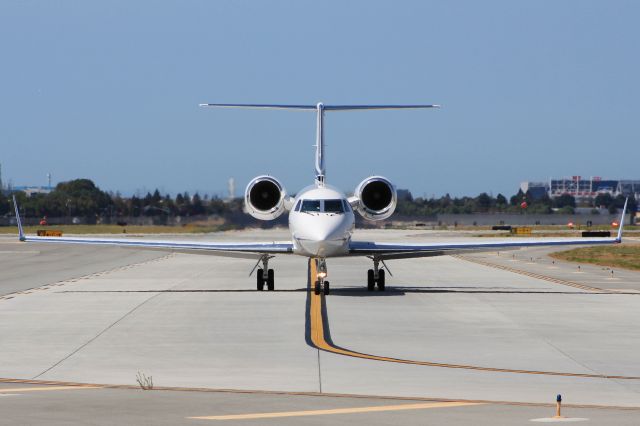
[[109, 91]]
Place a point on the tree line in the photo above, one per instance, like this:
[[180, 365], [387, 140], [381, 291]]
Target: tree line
[[518, 203], [81, 197]]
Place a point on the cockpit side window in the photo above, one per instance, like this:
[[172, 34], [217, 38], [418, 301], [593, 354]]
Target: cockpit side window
[[333, 206], [298, 204], [310, 206], [347, 206]]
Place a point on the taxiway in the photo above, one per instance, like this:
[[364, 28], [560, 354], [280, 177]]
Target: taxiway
[[512, 328]]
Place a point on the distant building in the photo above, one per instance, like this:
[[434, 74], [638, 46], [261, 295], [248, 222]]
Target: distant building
[[404, 195], [30, 190], [536, 190], [582, 188]]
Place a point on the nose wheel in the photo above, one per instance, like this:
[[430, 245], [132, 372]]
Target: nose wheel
[[321, 287]]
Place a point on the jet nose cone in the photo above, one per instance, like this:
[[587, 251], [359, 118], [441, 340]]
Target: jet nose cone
[[320, 234], [323, 240], [324, 233]]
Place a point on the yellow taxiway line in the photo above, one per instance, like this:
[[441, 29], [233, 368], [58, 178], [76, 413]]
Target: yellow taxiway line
[[322, 341], [372, 409]]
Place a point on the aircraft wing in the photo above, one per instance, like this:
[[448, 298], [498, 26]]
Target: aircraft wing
[[247, 250], [404, 251]]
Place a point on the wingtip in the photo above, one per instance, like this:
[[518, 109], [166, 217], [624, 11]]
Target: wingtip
[[624, 212], [21, 236]]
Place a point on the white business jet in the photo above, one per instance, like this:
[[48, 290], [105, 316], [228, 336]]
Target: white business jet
[[321, 220]]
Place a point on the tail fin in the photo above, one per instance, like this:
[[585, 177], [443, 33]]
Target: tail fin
[[320, 108], [624, 211], [18, 221]]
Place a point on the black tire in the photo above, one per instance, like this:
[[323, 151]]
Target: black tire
[[381, 280], [326, 288], [260, 280], [270, 280], [371, 283], [316, 288]]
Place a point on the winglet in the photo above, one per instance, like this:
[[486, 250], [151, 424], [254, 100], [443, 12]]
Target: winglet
[[18, 221], [624, 211]]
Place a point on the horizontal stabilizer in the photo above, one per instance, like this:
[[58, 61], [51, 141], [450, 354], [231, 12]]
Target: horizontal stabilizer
[[263, 106], [315, 107]]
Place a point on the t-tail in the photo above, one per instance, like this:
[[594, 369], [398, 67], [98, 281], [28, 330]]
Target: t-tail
[[320, 109]]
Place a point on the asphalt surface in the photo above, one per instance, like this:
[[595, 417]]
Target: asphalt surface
[[514, 328]]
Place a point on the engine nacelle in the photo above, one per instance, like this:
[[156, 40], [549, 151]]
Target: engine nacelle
[[265, 198], [377, 198]]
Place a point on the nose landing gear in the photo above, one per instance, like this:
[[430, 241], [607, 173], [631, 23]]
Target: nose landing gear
[[321, 285]]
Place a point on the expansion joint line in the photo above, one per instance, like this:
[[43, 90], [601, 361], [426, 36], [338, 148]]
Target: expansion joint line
[[534, 275], [319, 336], [85, 277]]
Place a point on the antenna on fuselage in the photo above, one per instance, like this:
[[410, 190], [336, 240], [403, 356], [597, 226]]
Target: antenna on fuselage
[[320, 109]]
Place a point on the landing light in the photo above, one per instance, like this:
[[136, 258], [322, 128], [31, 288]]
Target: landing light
[[322, 274]]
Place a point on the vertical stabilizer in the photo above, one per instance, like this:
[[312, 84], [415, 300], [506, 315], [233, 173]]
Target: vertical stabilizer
[[320, 171]]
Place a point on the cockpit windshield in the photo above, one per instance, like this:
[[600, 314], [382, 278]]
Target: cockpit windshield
[[310, 206], [333, 206], [321, 206]]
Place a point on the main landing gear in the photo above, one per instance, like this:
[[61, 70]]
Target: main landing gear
[[376, 276], [265, 275], [321, 286]]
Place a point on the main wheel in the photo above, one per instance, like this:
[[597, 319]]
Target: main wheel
[[270, 280], [371, 283], [316, 288], [260, 279], [381, 280], [326, 288]]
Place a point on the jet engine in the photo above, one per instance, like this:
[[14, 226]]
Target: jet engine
[[377, 198], [265, 198]]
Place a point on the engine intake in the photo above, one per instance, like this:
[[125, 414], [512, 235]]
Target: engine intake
[[377, 198], [265, 198]]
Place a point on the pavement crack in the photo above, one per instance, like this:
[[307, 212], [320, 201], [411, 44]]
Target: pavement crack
[[583, 365], [113, 324], [83, 277]]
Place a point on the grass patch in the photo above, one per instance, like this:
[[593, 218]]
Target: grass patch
[[546, 234], [115, 229], [625, 256]]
